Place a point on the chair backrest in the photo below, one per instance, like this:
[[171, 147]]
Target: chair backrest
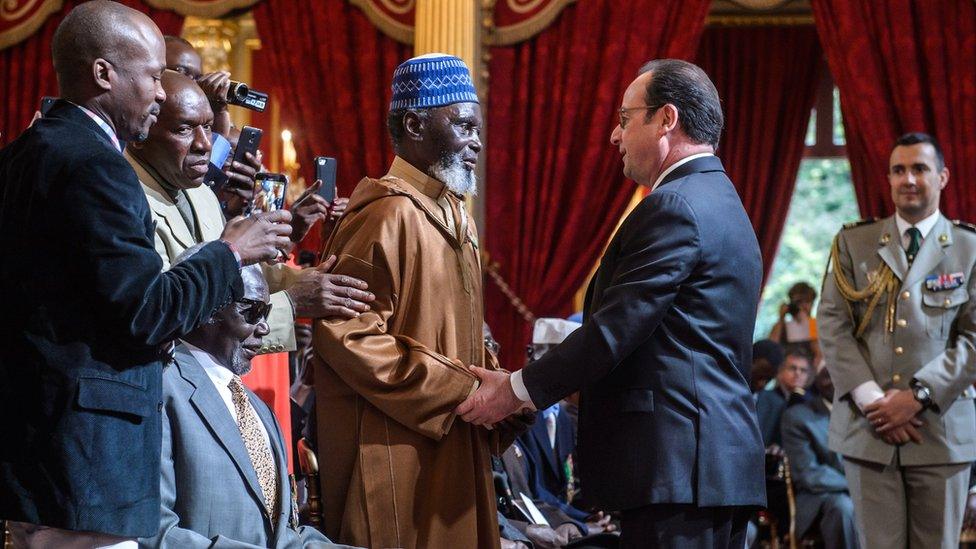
[[309, 464]]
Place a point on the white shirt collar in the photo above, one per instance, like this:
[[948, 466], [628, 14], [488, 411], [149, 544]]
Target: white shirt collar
[[924, 226], [220, 375], [676, 165]]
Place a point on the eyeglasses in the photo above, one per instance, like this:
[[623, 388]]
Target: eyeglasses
[[254, 311], [622, 112]]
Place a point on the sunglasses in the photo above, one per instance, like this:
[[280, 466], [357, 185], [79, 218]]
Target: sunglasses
[[253, 311]]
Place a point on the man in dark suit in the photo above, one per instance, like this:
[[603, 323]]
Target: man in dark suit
[[667, 426], [89, 313], [790, 389], [216, 435], [818, 472], [549, 456]]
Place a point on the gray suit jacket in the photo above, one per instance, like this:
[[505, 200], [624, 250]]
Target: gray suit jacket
[[209, 490], [817, 470], [933, 341]]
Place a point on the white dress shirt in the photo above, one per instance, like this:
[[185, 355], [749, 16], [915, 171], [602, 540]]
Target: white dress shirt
[[518, 386], [869, 391], [221, 378]]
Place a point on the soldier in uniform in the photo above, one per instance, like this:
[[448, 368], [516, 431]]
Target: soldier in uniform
[[898, 329]]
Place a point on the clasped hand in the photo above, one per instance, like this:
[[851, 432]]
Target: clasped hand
[[493, 400], [893, 416]]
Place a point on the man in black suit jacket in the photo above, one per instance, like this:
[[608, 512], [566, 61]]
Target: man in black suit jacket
[[667, 426], [818, 471], [89, 314]]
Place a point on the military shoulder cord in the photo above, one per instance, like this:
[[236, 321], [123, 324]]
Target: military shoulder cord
[[884, 282]]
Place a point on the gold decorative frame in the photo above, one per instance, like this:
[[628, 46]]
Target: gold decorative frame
[[202, 8], [29, 26]]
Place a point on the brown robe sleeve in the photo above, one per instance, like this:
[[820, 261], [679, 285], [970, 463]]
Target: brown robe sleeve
[[414, 385]]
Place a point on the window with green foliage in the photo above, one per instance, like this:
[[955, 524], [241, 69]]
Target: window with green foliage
[[822, 202]]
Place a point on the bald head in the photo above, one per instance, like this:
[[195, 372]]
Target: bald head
[[182, 57], [107, 58]]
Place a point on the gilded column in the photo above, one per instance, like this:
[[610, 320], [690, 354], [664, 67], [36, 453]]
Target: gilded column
[[448, 26], [454, 27]]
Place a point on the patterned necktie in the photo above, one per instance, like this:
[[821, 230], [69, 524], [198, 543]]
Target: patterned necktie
[[257, 449], [916, 241]]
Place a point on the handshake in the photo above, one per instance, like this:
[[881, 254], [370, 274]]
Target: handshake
[[493, 401]]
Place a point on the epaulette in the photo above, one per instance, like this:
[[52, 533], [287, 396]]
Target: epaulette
[[963, 225], [865, 221]]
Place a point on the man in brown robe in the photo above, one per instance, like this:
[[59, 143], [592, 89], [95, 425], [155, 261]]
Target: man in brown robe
[[397, 468]]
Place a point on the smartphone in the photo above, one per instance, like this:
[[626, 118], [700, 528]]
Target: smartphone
[[269, 192], [248, 142], [325, 171], [46, 103]]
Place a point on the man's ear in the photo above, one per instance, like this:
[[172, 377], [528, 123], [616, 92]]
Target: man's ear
[[104, 73], [943, 178], [413, 125], [669, 120]]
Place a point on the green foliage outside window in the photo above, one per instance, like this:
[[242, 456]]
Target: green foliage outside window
[[822, 202]]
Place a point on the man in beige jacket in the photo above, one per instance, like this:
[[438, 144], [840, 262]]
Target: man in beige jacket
[[171, 165]]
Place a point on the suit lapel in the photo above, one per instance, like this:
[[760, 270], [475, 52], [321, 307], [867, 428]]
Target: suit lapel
[[931, 253], [542, 439], [162, 205], [891, 251], [208, 403]]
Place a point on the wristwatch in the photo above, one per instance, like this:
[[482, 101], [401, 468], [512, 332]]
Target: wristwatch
[[922, 394]]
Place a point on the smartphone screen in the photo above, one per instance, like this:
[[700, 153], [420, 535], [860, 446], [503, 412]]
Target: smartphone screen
[[269, 192], [325, 171]]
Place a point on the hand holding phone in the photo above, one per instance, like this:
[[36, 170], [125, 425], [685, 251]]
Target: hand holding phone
[[325, 171]]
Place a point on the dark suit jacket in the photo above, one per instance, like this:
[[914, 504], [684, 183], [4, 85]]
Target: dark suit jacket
[[664, 352], [546, 468], [211, 496], [817, 471], [87, 310], [770, 405]]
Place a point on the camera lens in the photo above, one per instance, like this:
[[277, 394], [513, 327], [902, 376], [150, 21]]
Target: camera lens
[[237, 92]]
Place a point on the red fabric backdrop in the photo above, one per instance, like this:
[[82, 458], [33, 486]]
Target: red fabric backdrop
[[901, 66], [765, 121], [554, 189], [330, 68], [27, 72]]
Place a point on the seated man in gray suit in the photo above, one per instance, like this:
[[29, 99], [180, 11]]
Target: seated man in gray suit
[[224, 477], [818, 474]]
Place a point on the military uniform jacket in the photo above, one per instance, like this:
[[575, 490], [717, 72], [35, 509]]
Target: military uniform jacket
[[933, 340]]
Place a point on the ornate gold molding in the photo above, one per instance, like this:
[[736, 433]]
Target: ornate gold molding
[[202, 8], [24, 29], [391, 27], [513, 34]]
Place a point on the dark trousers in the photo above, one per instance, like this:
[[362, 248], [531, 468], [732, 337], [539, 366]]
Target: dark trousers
[[683, 526]]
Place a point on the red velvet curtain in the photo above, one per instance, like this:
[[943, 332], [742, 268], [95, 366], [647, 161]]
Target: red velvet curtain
[[765, 120], [27, 72], [901, 66], [554, 188], [331, 69]]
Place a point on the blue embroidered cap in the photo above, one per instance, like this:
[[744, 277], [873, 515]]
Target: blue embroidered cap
[[432, 80]]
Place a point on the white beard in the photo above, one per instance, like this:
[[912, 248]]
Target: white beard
[[455, 176]]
